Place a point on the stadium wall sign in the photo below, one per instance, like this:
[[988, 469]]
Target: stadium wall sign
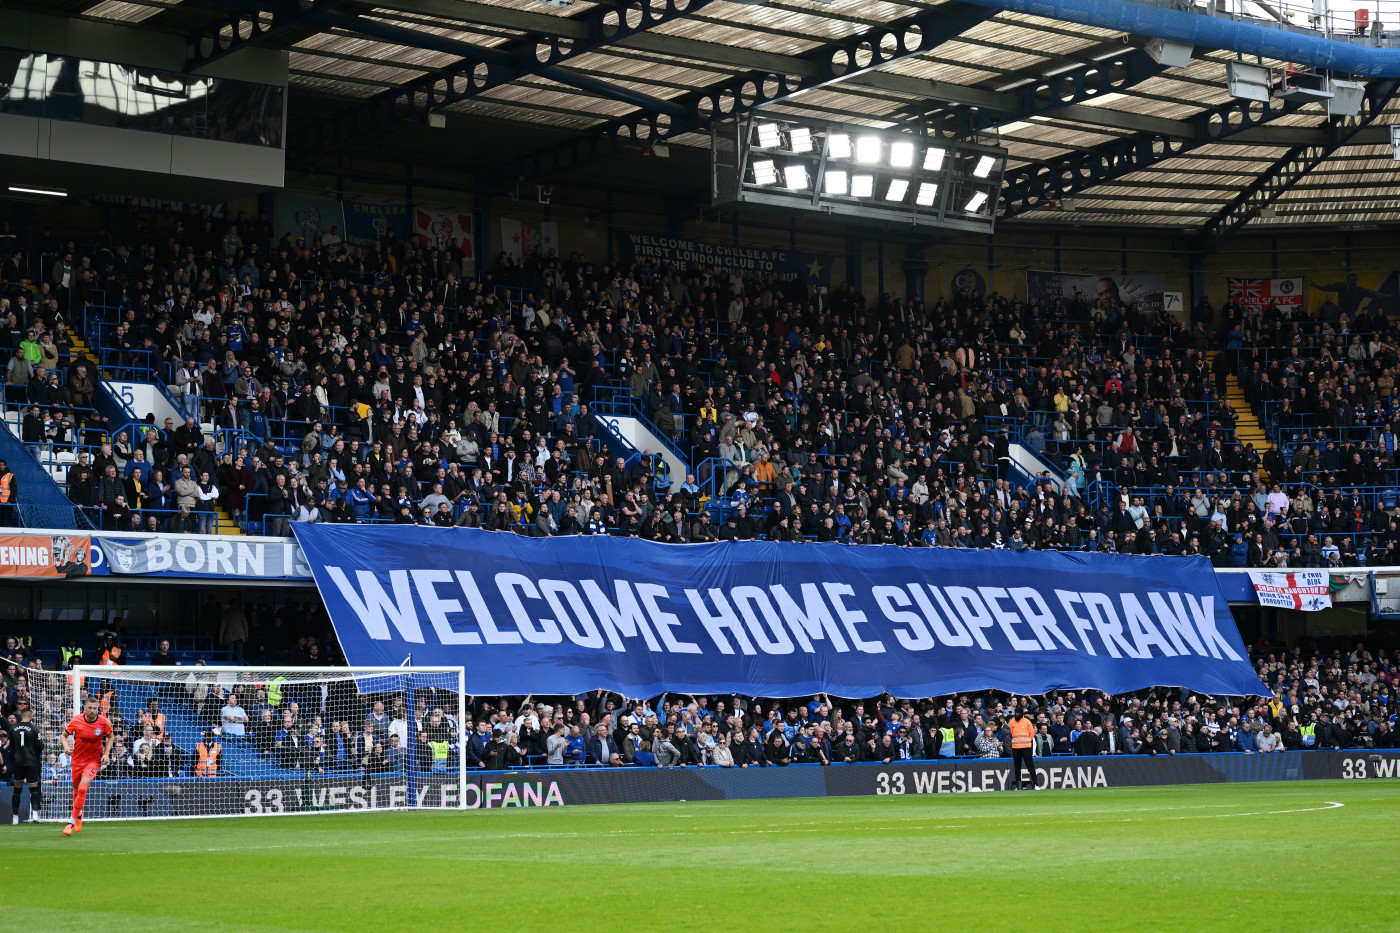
[[193, 797], [771, 619], [200, 556]]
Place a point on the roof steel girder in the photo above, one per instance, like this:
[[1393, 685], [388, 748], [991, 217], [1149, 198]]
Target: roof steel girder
[[1114, 74], [485, 69], [413, 38], [751, 90], [1027, 187], [1296, 164], [757, 60], [249, 24]]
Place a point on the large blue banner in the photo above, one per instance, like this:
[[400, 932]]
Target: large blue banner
[[567, 615]]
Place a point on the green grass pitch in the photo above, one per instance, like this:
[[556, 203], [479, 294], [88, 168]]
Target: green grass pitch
[[1292, 856]]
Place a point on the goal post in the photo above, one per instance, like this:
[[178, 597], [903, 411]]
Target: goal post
[[205, 741]]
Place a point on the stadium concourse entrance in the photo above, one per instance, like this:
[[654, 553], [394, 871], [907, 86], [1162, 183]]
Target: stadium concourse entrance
[[141, 612]]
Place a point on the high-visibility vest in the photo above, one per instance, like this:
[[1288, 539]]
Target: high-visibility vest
[[274, 690], [208, 760], [70, 656], [949, 746], [156, 722], [110, 656], [1022, 733], [107, 701], [1309, 735], [439, 750], [7, 488]]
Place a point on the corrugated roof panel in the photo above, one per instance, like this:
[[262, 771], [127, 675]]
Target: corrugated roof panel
[[334, 67], [920, 67], [122, 12], [328, 85]]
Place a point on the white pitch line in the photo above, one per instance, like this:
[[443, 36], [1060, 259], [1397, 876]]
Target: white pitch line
[[1331, 805]]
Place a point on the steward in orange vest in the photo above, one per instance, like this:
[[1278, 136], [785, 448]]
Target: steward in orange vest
[[209, 752], [1022, 748]]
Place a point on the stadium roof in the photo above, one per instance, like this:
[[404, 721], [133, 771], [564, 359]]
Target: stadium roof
[[588, 72]]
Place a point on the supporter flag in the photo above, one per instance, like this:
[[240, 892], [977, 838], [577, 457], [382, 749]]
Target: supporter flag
[[812, 268], [1285, 294], [521, 239], [45, 556], [763, 618], [367, 222], [308, 219], [440, 227], [1145, 292], [1307, 590]]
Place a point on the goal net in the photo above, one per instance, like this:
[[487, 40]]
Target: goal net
[[244, 741]]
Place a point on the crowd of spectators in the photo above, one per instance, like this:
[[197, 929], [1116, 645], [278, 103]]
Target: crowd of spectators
[[378, 383], [1322, 698]]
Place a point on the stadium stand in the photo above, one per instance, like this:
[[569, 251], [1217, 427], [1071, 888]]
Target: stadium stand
[[1324, 697], [330, 383]]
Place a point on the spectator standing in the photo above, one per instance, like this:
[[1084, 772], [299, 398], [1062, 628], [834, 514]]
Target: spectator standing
[[556, 747], [233, 716]]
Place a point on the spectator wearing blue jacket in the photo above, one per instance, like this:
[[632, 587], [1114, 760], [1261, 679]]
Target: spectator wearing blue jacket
[[475, 749], [361, 501], [138, 466], [1244, 738], [1239, 552], [577, 752]]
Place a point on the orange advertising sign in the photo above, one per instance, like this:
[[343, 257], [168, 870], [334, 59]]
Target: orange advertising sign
[[45, 556]]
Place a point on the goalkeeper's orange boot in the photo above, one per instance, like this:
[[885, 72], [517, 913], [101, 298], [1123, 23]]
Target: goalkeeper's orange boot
[[78, 825], [68, 830]]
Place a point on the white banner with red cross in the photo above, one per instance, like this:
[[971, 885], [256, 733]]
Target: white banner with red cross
[[1302, 589]]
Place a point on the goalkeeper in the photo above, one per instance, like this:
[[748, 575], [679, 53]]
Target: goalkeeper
[[27, 747]]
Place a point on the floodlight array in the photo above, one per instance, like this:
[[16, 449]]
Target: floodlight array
[[861, 171]]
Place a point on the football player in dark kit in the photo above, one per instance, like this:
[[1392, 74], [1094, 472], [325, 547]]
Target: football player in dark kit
[[27, 750]]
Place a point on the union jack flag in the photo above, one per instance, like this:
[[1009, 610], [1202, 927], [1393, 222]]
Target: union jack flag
[[1246, 291]]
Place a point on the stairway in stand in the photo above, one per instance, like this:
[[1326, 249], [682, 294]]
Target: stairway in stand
[[80, 348], [1248, 428], [227, 526]]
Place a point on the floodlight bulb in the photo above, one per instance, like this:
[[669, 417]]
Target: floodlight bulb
[[768, 137], [838, 145], [868, 150], [928, 193], [984, 167], [801, 139], [933, 160], [902, 155], [862, 186], [795, 177], [898, 188], [765, 172], [836, 182], [975, 203]]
